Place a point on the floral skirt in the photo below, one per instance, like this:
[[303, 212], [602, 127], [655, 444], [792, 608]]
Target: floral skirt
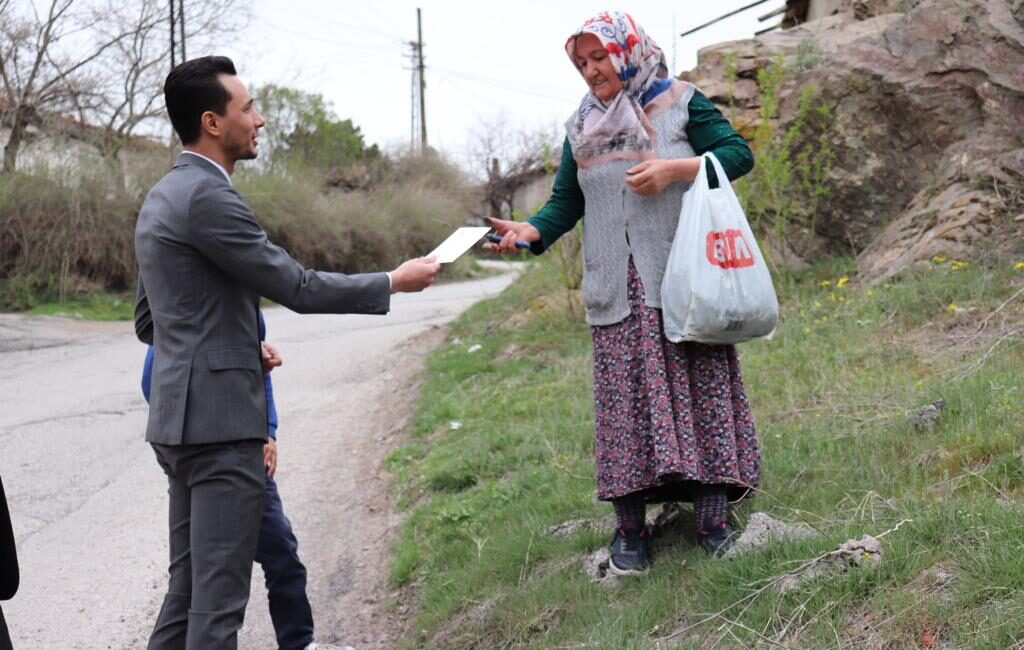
[[669, 417]]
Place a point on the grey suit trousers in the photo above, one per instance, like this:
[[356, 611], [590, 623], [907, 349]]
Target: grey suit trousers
[[216, 502]]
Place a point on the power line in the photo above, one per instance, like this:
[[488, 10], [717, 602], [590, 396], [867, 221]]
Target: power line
[[504, 85], [330, 41], [358, 28], [723, 17]]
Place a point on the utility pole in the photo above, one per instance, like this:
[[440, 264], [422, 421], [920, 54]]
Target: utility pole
[[174, 48], [181, 25], [177, 27], [423, 82], [414, 107]]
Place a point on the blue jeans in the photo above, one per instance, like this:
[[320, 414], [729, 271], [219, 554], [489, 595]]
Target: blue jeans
[[278, 554]]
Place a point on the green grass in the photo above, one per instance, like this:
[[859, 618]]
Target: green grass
[[501, 450], [95, 306], [121, 306]]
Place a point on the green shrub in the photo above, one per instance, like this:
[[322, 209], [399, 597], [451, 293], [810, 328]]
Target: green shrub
[[67, 232], [59, 238]]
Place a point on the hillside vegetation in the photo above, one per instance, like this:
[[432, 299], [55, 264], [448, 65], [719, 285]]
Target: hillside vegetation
[[68, 233], [501, 457]]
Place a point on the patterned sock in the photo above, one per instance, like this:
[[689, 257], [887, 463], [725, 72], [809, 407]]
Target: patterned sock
[[630, 510], [711, 503]]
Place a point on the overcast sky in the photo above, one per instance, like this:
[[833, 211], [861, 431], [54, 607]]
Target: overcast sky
[[484, 59]]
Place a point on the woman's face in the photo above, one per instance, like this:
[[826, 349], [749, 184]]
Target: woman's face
[[595, 65]]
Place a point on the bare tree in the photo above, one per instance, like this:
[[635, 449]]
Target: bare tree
[[40, 71], [127, 93], [507, 159], [104, 63], [129, 76]]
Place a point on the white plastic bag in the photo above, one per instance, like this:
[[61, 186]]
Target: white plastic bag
[[717, 288]]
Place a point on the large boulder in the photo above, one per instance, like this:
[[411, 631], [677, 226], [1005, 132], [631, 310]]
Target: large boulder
[[927, 124]]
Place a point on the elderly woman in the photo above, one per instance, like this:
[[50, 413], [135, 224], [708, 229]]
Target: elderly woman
[[672, 420]]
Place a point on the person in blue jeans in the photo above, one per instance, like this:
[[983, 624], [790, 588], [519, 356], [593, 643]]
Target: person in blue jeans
[[278, 549]]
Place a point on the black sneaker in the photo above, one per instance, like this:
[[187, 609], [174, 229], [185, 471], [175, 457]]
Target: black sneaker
[[715, 537], [630, 551]]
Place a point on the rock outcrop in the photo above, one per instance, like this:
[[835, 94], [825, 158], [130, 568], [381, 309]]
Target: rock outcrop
[[927, 124]]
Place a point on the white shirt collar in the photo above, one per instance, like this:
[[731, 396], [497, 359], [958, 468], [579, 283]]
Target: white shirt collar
[[213, 162]]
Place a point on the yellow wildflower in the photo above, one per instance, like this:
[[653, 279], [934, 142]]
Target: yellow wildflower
[[953, 307], [825, 283], [938, 259], [956, 265], [841, 282], [1018, 266]]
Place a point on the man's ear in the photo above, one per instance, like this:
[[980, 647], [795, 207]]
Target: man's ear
[[210, 123]]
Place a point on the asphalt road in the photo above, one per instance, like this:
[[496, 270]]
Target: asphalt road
[[88, 500]]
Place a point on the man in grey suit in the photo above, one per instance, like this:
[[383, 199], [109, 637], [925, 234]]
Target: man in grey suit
[[204, 262]]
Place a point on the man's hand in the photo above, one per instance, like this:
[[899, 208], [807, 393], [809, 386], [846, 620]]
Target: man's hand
[[653, 176], [270, 357], [414, 275], [510, 232], [270, 457]]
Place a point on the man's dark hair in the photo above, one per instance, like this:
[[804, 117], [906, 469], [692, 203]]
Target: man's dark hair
[[191, 89]]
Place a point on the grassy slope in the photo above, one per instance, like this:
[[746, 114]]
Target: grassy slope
[[501, 450], [94, 306]]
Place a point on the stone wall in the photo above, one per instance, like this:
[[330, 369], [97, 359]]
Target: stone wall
[[928, 123]]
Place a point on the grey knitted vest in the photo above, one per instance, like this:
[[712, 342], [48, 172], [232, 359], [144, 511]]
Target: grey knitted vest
[[618, 223]]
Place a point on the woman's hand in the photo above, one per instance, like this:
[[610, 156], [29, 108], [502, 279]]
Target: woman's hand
[[652, 176], [510, 232]]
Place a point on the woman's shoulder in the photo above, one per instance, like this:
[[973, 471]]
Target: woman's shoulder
[[678, 93], [699, 100]]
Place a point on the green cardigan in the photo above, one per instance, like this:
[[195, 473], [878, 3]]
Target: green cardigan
[[707, 130]]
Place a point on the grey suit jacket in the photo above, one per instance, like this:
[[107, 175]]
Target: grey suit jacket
[[204, 262]]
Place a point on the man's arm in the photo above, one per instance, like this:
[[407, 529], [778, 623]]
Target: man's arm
[[143, 317], [224, 229]]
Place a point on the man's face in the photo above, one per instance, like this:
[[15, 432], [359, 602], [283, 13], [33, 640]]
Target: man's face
[[241, 122]]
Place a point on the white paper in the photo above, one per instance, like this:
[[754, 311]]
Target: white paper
[[458, 243]]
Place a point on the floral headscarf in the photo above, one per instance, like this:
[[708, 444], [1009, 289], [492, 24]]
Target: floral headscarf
[[619, 129]]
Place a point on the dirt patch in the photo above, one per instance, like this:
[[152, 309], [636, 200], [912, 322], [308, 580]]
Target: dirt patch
[[966, 331], [375, 617], [467, 625]]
